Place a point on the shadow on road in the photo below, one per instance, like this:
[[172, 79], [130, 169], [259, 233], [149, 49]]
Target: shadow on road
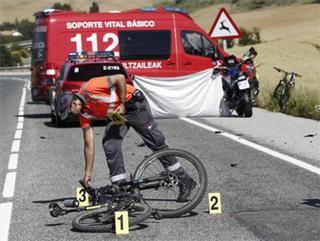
[[53, 200], [35, 116], [312, 202], [139, 226], [74, 124], [36, 103], [54, 224]]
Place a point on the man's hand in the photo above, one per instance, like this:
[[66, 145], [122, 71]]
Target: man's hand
[[86, 180], [121, 109]]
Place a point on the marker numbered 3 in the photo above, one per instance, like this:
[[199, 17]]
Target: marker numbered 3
[[83, 197]]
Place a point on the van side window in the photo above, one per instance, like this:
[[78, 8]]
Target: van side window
[[195, 43], [144, 44]]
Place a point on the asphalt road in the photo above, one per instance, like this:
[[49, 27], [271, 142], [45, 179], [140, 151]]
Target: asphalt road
[[263, 196]]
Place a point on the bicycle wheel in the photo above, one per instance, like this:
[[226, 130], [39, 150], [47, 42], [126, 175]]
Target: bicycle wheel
[[102, 219], [163, 199], [284, 99], [278, 91]]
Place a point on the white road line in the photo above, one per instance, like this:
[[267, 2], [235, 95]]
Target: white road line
[[15, 146], [20, 125], [5, 210], [18, 134], [10, 181], [9, 185], [276, 154], [13, 161]]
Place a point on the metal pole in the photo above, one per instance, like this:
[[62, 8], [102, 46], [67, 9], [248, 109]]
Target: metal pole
[[224, 42]]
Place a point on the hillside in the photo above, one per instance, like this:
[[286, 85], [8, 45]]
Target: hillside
[[290, 37], [10, 10]]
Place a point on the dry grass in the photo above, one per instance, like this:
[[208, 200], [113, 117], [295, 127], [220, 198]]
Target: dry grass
[[10, 10], [291, 36], [291, 41]]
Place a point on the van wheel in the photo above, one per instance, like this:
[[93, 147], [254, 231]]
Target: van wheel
[[58, 122], [53, 118]]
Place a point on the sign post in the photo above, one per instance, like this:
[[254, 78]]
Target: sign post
[[224, 28]]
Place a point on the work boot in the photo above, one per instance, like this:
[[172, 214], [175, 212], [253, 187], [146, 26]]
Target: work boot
[[186, 186]]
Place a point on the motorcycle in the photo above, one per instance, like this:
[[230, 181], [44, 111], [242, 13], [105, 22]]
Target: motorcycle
[[247, 66], [239, 82]]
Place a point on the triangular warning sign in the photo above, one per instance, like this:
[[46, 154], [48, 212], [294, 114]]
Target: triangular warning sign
[[224, 27]]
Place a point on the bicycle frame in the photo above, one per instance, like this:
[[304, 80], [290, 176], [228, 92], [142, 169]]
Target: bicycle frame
[[146, 183]]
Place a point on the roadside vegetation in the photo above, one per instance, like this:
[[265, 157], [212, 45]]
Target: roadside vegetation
[[283, 38]]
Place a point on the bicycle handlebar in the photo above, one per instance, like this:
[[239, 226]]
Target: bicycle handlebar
[[281, 70]]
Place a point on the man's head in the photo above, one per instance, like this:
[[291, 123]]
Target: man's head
[[68, 103]]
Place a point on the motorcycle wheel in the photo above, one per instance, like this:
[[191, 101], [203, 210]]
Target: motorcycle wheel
[[247, 109]]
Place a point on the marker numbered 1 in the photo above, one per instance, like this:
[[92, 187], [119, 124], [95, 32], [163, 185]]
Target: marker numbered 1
[[215, 203], [82, 197], [121, 222]]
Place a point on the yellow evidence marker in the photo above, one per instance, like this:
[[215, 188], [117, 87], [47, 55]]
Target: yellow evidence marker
[[117, 118], [215, 203], [83, 197], [121, 222]]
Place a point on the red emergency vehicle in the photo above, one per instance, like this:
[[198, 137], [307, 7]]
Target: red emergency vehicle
[[161, 42]]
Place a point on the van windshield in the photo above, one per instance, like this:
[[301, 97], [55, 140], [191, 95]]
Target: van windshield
[[144, 44], [195, 43], [84, 72]]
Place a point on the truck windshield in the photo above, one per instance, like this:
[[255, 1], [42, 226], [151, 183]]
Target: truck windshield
[[39, 44], [84, 72], [144, 44]]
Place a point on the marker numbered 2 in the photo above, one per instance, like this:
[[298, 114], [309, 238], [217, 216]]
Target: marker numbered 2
[[121, 222], [215, 203], [82, 197]]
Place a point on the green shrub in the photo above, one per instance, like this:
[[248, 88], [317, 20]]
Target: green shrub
[[94, 8], [302, 106], [62, 6], [298, 105], [24, 53], [249, 37], [273, 104], [16, 58], [5, 56]]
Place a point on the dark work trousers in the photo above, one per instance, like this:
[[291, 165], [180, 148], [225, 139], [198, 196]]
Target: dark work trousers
[[138, 117]]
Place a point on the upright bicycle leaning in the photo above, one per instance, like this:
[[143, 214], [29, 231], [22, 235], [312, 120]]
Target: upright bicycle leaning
[[152, 191], [282, 91]]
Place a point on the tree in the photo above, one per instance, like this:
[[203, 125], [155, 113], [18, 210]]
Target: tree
[[94, 8], [5, 56], [64, 6], [25, 27]]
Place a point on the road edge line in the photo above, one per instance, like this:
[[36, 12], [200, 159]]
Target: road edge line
[[258, 147]]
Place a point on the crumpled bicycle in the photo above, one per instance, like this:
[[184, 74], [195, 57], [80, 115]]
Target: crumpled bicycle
[[152, 191]]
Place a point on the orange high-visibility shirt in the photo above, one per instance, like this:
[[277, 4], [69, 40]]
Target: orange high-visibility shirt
[[102, 99]]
